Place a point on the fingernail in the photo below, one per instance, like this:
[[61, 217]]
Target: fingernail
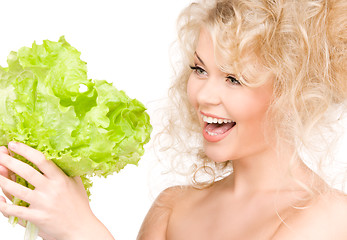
[[12, 145]]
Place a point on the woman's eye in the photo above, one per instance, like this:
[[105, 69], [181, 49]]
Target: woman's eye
[[198, 70], [233, 80]]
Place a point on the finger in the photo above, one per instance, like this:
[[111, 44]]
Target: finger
[[4, 150], [22, 169], [7, 173], [4, 171], [20, 221], [8, 195], [2, 199], [14, 210], [16, 189], [36, 157]]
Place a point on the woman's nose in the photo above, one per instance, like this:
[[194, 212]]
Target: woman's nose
[[209, 93]]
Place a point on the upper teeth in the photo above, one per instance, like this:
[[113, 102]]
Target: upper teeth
[[215, 120]]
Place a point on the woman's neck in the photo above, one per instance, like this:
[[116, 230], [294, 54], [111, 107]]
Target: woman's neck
[[266, 171]]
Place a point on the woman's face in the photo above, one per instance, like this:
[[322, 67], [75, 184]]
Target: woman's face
[[231, 115]]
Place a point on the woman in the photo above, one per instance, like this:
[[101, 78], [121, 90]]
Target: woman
[[257, 85]]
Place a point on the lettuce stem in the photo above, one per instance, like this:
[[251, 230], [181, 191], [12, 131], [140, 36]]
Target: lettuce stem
[[31, 231]]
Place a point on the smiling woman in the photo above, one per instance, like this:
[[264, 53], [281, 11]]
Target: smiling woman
[[109, 45], [259, 84], [276, 70], [269, 57]]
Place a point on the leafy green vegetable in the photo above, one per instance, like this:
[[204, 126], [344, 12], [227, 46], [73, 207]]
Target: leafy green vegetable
[[96, 131]]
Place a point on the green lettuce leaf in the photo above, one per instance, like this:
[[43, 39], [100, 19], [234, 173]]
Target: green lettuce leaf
[[97, 131]]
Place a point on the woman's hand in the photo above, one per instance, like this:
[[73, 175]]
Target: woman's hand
[[59, 205]]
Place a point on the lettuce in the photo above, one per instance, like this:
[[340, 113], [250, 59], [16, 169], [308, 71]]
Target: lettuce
[[86, 127]]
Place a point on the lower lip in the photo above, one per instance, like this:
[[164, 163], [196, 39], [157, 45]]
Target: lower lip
[[215, 138]]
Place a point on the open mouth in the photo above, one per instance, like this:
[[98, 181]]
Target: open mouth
[[217, 126]]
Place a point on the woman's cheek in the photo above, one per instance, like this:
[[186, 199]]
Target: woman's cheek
[[244, 108]]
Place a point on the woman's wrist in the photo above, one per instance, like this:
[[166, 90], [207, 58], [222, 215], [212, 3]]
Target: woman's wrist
[[90, 229]]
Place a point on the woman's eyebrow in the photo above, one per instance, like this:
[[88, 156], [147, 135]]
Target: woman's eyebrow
[[197, 56]]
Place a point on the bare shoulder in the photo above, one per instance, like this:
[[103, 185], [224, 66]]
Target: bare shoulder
[[156, 221], [324, 218], [173, 196]]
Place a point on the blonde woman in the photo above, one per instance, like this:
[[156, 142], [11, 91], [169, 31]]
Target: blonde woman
[[259, 86]]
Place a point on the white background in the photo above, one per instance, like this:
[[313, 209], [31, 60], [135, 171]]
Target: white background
[[124, 42]]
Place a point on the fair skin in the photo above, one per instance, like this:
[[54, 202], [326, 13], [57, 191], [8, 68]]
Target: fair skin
[[249, 204], [58, 203]]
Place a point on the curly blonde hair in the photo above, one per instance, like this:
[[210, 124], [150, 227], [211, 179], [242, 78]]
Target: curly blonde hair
[[302, 42]]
